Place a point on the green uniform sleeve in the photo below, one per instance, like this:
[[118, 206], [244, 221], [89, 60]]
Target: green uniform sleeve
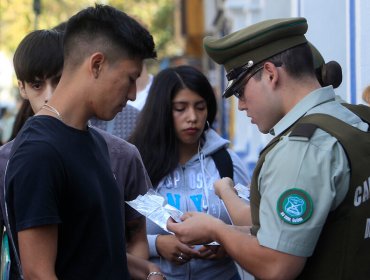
[[300, 182]]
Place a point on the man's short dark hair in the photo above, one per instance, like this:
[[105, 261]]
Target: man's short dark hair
[[297, 61], [39, 54], [105, 29]]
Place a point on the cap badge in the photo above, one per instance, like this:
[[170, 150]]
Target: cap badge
[[234, 73]]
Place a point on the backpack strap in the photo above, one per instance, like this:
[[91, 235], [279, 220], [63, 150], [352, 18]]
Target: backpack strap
[[360, 110], [224, 163], [306, 129]]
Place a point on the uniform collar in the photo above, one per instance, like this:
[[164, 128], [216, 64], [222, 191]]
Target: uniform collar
[[314, 98]]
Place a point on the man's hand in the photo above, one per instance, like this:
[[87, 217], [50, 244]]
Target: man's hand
[[223, 185], [196, 228]]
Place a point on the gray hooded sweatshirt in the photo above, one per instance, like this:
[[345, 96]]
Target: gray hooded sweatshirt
[[190, 188]]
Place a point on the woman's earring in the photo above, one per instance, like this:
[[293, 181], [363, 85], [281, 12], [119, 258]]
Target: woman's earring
[[207, 126]]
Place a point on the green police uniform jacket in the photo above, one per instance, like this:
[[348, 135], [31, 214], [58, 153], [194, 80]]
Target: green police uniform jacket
[[343, 247]]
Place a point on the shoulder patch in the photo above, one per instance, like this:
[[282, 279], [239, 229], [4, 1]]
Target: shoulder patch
[[302, 132], [294, 206]]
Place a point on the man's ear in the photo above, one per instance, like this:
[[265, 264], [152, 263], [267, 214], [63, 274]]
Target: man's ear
[[22, 90], [96, 63], [272, 72]]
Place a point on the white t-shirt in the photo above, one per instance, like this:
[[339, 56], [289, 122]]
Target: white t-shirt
[[141, 96]]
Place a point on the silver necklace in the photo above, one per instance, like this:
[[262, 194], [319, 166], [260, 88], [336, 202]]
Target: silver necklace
[[52, 109]]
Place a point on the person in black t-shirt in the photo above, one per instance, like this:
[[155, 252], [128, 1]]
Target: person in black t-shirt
[[66, 225]]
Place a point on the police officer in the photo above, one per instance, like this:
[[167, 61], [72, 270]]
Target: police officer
[[309, 201]]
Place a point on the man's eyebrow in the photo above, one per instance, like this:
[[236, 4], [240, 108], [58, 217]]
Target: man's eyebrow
[[56, 76], [36, 79]]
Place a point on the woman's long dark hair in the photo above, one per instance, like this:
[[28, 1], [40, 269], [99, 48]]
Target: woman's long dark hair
[[25, 111], [154, 135]]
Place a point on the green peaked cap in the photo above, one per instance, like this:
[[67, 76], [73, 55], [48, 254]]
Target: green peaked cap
[[241, 50]]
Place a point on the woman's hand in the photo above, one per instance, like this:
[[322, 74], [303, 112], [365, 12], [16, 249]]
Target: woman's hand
[[170, 248], [212, 252]]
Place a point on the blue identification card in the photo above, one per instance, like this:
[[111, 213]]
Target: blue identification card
[[5, 258]]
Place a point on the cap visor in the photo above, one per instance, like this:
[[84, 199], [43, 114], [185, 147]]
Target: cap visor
[[233, 85]]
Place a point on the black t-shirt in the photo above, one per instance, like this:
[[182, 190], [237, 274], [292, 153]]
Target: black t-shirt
[[61, 175]]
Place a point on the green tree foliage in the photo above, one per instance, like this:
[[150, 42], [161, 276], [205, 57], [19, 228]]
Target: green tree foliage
[[157, 16], [17, 18]]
